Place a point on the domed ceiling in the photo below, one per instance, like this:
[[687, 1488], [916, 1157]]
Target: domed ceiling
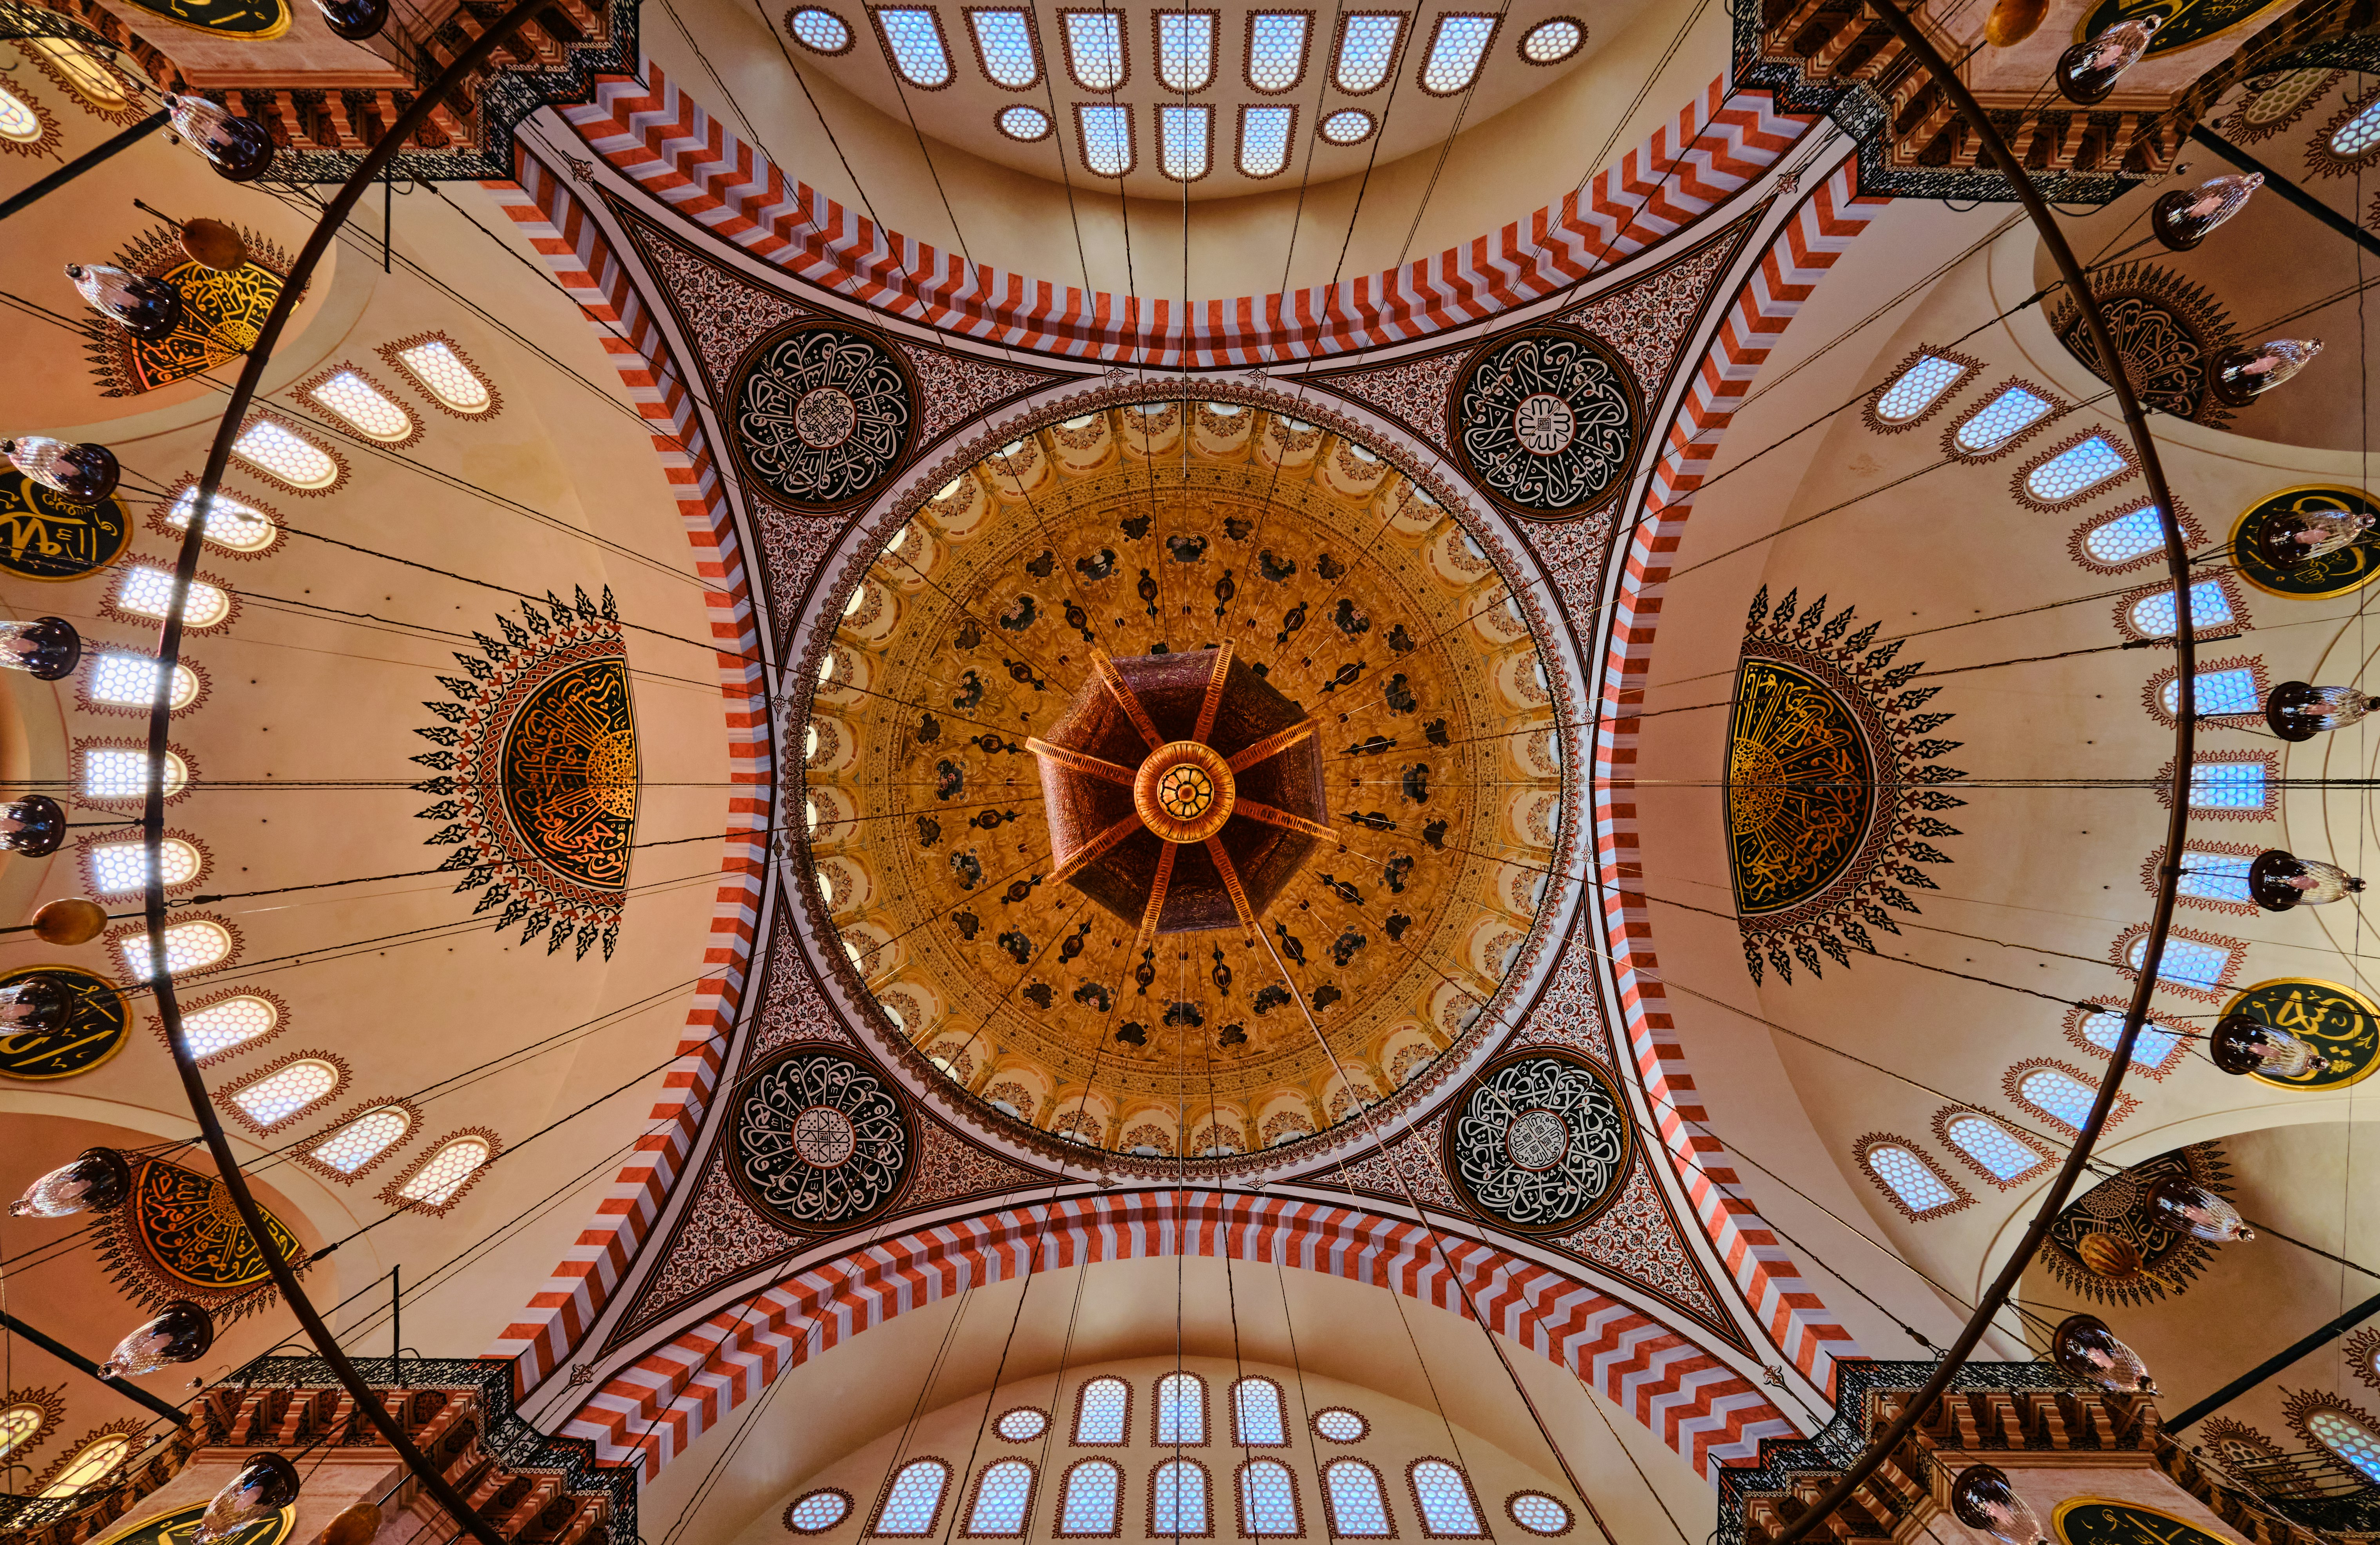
[[1183, 758]]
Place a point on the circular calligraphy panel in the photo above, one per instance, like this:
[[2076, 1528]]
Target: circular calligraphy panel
[[177, 1528], [1539, 1140], [820, 414], [1548, 420], [2350, 568], [818, 1140], [45, 536], [2341, 1023], [97, 1024], [2102, 1521]]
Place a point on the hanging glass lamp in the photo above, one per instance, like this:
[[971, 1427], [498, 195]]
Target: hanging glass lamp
[[2240, 1045], [2183, 218], [2084, 1348], [33, 827], [2181, 1203], [2089, 71], [148, 308], [180, 1334], [1982, 1498], [2279, 881], [2299, 710], [97, 1181], [2242, 375], [84, 473], [240, 149]]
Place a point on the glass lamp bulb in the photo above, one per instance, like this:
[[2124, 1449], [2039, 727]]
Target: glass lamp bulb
[[180, 1334], [84, 473], [148, 308], [2300, 710], [240, 149], [33, 826], [264, 1486], [1982, 1498], [37, 1003], [48, 648], [97, 1181], [2180, 1204], [2183, 219], [2242, 375], [2084, 1348], [2240, 1045], [2088, 71]]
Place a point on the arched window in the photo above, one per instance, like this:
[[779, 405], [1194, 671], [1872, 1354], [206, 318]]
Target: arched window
[[1094, 1489], [92, 1464], [2058, 1095], [2228, 691], [109, 773], [84, 72], [1186, 137], [2229, 784], [2150, 1047], [2121, 539], [120, 868], [442, 371], [146, 590], [2187, 963], [1359, 1507], [1367, 49], [913, 38], [2076, 471], [233, 1022], [1101, 1408], [1276, 48], [1105, 129], [20, 124], [1994, 1152], [1442, 1495], [2348, 1439], [2151, 616], [191, 946], [130, 680], [230, 524], [20, 1426], [1921, 1190], [1457, 45], [277, 450], [2011, 411], [914, 1500], [365, 408], [1003, 1496], [354, 1146], [1269, 1502], [283, 1093], [1185, 49], [441, 1177], [1255, 1413], [1004, 46], [2358, 134], [1181, 1413], [1177, 1500], [1918, 388], [1095, 48]]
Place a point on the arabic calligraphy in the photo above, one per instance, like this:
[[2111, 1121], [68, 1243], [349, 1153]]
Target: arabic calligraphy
[[181, 1527], [221, 314], [188, 1227], [818, 1141], [96, 1027], [1549, 420], [2343, 1025], [1799, 787], [820, 414], [2099, 1521], [1539, 1141], [2350, 568], [2184, 22], [44, 537], [570, 773], [249, 20]]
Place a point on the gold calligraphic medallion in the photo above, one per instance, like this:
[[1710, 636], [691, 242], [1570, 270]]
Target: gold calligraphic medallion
[[45, 535], [2350, 568], [1801, 786], [249, 20], [179, 1527], [98, 1023], [2181, 23], [2341, 1023], [2103, 1521]]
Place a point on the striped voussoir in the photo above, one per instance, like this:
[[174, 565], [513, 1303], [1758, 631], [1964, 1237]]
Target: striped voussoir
[[1786, 1307], [656, 135], [648, 1412], [560, 1314]]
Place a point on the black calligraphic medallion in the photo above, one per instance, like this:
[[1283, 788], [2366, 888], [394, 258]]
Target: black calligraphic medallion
[[191, 1232], [42, 536], [97, 1026], [1801, 787], [2350, 568], [1548, 420], [818, 1140], [2341, 1022], [1539, 1140], [2099, 1521], [2181, 23], [181, 1526], [249, 20], [570, 772], [820, 414]]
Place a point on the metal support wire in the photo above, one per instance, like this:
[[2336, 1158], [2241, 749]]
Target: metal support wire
[[169, 644], [2177, 557]]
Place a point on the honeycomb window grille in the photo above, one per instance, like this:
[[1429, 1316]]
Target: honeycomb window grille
[[83, 72], [1185, 49], [1341, 1425], [2151, 616], [2220, 693], [2150, 1048], [1004, 1494], [2076, 471], [439, 368], [1022, 1425], [1458, 44], [364, 407], [2186, 963], [1539, 1513], [190, 946], [1029, 124], [1549, 43], [1184, 140], [231, 525], [363, 1139], [1101, 1410], [121, 868], [913, 39], [1177, 1500], [111, 773], [1994, 1150], [1367, 49], [2059, 1096], [19, 123], [278, 451], [1268, 1501], [2228, 785], [1359, 1508], [2359, 136], [1106, 131], [1256, 1414], [280, 1095], [1349, 125], [235, 1021], [1095, 53], [1919, 1189], [1278, 43], [1003, 44], [816, 1512], [914, 1499], [2355, 1445], [129, 680], [2212, 876], [2121, 539], [443, 1175], [1918, 388], [1265, 133], [1181, 1413], [146, 591], [1996, 425], [1442, 1497], [1093, 1499]]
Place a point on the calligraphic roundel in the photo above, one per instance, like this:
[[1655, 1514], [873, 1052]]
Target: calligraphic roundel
[[819, 1141], [1539, 1140]]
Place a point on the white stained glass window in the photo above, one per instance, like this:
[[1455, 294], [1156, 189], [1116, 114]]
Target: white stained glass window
[[1539, 1513], [363, 1139], [1024, 1424], [1909, 1177], [1020, 122], [1349, 125], [2001, 419], [147, 590], [20, 123], [190, 946], [1917, 388], [2155, 1043], [2346, 1437], [1367, 50], [1455, 50], [2061, 1096], [816, 1512], [1185, 49], [1277, 42], [1549, 43], [1095, 48], [1264, 140], [92, 79], [18, 1425], [219, 1026], [1256, 1405], [1268, 1500], [1357, 1508], [436, 1183], [441, 370], [1340, 1425], [1006, 40], [915, 1499], [1099, 1415], [276, 448], [1001, 1495], [1094, 1488], [113, 774], [1181, 1409], [2209, 607], [2358, 134], [278, 1096], [2220, 693], [2214, 876], [1107, 138], [1446, 1507], [2227, 786], [2075, 471], [120, 868], [1984, 1141], [1177, 1499], [1182, 137], [91, 1466], [2125, 537], [120, 676], [231, 524], [2185, 962], [916, 40], [363, 406]]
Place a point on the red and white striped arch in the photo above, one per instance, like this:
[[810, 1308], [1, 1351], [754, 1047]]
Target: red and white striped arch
[[650, 1411], [1764, 1272], [662, 139], [542, 209]]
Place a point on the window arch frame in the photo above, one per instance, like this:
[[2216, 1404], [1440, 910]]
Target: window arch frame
[[1330, 1500], [1872, 410], [1470, 1492], [2021, 484], [2012, 1085], [161, 519], [2213, 991], [127, 1430], [2269, 785], [2200, 846], [393, 1193], [2078, 544], [1950, 1115], [227, 1096], [1240, 1438], [2303, 1409], [304, 1152], [1177, 1462], [1240, 1497], [2238, 622], [2059, 408], [86, 851], [340, 471], [1075, 1438], [49, 1408], [2260, 686], [186, 676], [177, 761], [136, 972], [875, 1530], [1863, 1153], [1065, 1500], [892, 57], [1156, 1412], [414, 427], [393, 351], [1024, 1513], [190, 1006]]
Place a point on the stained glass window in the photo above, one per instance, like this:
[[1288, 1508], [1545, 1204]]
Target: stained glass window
[[436, 1183], [90, 1467], [2227, 786], [363, 406], [1357, 1508], [2001, 419], [914, 1498], [363, 1139], [18, 1426], [1007, 41], [1268, 1500], [1182, 137], [818, 1511], [295, 461], [278, 1096], [1177, 1499], [1181, 1409], [1549, 43], [1001, 1495], [1456, 49], [1095, 49], [1367, 50], [1185, 49], [241, 528], [2122, 537], [2358, 134], [20, 123], [114, 774], [1916, 389], [147, 590], [2209, 607], [2346, 1437], [1094, 1487], [1909, 1177], [1539, 1513], [1107, 138], [1277, 49], [441, 370], [2154, 1045], [2074, 471], [120, 676], [2059, 1096], [121, 868], [2184, 961], [1987, 1144], [190, 946], [1349, 125], [1264, 140], [1022, 1425], [230, 1022], [1445, 1498], [1340, 1425], [1019, 122], [1256, 1402], [2220, 693], [1100, 1415], [916, 43]]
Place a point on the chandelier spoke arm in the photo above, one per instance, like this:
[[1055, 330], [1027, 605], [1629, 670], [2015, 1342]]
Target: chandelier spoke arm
[[1091, 850], [1080, 761], [1231, 886], [1274, 745], [1273, 816], [1156, 889], [1214, 701], [1126, 700]]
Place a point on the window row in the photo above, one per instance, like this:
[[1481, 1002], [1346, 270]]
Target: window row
[[1926, 382], [1180, 1502], [1178, 1414], [1187, 46], [1108, 138]]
